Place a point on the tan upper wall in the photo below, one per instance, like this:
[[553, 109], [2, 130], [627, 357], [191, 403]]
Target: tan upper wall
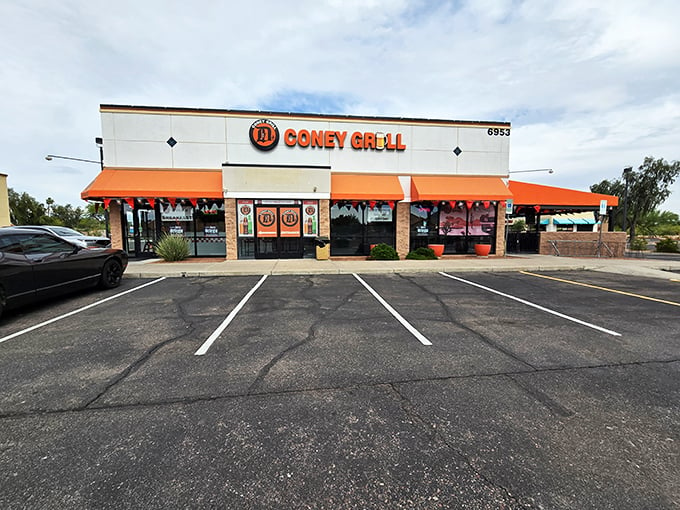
[[4, 202], [137, 137]]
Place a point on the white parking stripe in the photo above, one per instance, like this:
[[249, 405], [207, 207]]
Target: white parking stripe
[[534, 305], [206, 345], [91, 305], [396, 315]]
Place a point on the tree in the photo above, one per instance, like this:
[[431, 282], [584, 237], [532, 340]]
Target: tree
[[648, 187], [66, 215], [49, 203], [24, 209], [659, 223]]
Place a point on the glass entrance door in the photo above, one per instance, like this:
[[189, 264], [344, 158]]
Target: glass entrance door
[[278, 231]]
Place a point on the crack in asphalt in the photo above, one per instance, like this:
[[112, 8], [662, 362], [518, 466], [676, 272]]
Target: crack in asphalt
[[135, 365], [458, 322], [311, 332], [436, 436], [550, 403], [212, 398]]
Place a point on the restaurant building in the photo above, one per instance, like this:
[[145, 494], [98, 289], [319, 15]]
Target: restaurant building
[[253, 184]]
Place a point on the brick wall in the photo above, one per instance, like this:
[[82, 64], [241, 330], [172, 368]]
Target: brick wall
[[582, 244]]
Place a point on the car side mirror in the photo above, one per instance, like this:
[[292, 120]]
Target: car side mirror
[[77, 247]]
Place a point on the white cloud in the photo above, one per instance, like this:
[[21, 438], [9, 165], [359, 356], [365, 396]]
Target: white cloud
[[589, 88]]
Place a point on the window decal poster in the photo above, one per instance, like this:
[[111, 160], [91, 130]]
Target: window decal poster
[[267, 224], [244, 209], [452, 221], [310, 218], [482, 220], [289, 222]]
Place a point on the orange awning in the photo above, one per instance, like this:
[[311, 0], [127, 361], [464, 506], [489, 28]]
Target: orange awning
[[163, 183], [365, 187], [453, 187], [525, 193]]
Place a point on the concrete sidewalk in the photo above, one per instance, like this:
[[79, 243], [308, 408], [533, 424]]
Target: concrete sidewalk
[[646, 267]]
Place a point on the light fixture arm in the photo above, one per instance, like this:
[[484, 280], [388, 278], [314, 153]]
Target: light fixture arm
[[549, 170], [50, 157]]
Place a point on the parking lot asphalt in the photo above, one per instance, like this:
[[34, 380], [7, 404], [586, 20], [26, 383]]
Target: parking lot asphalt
[[433, 389]]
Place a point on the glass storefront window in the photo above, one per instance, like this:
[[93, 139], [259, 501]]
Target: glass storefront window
[[210, 236], [453, 224], [203, 226], [355, 226]]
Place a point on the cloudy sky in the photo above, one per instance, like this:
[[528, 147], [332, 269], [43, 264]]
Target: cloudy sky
[[589, 89]]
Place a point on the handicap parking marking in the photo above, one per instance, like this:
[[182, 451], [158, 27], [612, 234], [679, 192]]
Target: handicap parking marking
[[423, 340], [533, 305], [211, 339], [605, 289], [82, 309]]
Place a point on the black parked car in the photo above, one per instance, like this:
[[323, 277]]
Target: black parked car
[[37, 265]]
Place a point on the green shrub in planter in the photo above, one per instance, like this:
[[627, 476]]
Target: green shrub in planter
[[638, 244], [384, 251], [422, 253], [667, 245], [172, 248]]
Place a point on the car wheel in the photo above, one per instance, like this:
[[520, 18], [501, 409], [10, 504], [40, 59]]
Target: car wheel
[[112, 273]]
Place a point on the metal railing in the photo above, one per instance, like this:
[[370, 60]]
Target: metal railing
[[571, 248]]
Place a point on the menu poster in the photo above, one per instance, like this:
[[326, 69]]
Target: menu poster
[[310, 218], [244, 220]]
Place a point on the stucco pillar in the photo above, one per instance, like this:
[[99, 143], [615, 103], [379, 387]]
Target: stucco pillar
[[324, 218], [500, 229], [403, 228], [231, 231], [115, 225]]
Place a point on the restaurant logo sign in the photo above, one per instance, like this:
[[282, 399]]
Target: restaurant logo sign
[[264, 135]]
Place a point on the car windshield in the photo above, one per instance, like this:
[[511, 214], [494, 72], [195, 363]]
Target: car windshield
[[65, 231]]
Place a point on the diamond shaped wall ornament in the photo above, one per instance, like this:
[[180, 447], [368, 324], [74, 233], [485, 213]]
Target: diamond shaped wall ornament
[[457, 151], [171, 142]]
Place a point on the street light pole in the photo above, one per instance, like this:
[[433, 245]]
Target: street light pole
[[100, 143], [626, 174]]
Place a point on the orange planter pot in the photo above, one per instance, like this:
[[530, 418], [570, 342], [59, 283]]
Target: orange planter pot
[[482, 250], [438, 249]]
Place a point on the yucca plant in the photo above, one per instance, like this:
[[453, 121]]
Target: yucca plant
[[172, 248]]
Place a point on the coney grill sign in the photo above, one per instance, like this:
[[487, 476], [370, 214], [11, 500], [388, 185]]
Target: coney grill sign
[[264, 135]]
